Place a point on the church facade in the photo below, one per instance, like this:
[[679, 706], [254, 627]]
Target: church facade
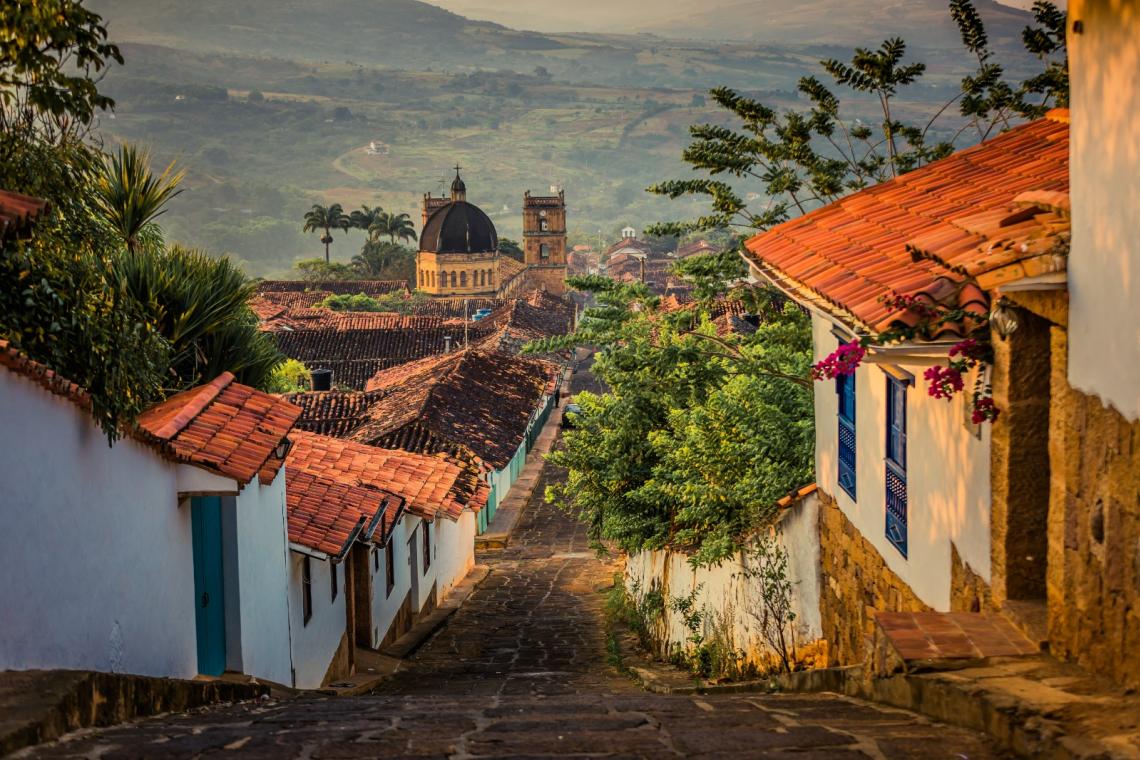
[[459, 245]]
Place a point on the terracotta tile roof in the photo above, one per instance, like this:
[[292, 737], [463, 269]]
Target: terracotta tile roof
[[521, 320], [335, 413], [797, 496], [695, 248], [631, 243], [371, 288], [454, 308], [327, 515], [18, 362], [222, 426], [18, 213], [428, 484], [355, 355], [848, 255], [509, 270], [1023, 239], [479, 400], [324, 319]]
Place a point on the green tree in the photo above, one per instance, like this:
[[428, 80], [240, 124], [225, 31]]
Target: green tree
[[129, 197], [391, 302], [326, 218], [510, 248], [51, 54], [364, 217], [318, 270], [200, 305], [804, 159], [698, 435], [58, 302], [377, 257], [394, 226]]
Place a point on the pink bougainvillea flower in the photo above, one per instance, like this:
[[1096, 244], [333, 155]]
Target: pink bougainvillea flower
[[840, 362], [985, 410], [944, 381]]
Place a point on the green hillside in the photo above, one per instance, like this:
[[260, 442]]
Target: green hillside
[[271, 107]]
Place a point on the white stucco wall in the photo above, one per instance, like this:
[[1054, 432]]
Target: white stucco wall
[[948, 474], [422, 585], [385, 605], [725, 590], [456, 550], [97, 554], [1104, 262], [314, 643], [263, 580]]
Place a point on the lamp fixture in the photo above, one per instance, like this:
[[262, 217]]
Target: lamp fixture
[[282, 449], [1004, 319]]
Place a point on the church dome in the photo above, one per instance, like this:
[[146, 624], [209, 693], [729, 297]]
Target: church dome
[[459, 227]]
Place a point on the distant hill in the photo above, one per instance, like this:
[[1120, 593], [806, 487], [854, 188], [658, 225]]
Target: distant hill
[[407, 33], [923, 23]]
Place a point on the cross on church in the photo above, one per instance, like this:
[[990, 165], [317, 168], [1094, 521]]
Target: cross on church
[[457, 170]]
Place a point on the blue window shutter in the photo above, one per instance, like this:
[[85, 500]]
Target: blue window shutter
[[896, 507], [845, 386]]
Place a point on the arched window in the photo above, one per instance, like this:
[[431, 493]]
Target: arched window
[[433, 279], [482, 277], [463, 279], [544, 251]]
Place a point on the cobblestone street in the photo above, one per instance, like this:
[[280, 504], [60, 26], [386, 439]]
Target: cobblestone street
[[521, 671]]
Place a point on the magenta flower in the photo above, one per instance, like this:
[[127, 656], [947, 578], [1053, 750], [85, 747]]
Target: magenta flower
[[840, 362]]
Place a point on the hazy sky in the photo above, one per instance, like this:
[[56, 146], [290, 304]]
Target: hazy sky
[[599, 15]]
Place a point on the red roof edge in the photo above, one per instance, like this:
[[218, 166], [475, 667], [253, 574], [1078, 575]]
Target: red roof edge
[[797, 496], [17, 361], [1058, 114], [201, 397]]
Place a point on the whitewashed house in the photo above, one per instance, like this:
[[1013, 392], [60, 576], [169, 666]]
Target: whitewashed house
[[905, 476], [425, 548], [163, 554]]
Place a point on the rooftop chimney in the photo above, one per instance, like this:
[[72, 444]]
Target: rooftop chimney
[[321, 379]]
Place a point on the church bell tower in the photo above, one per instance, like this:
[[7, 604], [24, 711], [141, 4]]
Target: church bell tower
[[544, 239]]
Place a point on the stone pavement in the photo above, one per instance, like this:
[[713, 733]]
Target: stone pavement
[[521, 671]]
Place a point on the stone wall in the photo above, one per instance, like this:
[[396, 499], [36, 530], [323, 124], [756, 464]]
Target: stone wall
[[1019, 471], [728, 595], [856, 583], [1093, 579], [969, 592]]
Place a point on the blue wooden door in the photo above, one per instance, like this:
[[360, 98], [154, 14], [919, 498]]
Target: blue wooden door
[[209, 610]]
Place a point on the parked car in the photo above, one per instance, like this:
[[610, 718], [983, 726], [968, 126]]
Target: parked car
[[568, 414]]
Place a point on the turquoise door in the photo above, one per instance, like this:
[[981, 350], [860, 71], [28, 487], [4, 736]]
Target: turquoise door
[[209, 611]]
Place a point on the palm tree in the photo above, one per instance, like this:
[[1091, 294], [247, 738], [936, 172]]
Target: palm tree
[[326, 218], [200, 305], [394, 226], [374, 258], [364, 217], [129, 197]]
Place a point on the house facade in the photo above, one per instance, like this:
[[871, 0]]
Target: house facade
[[909, 516], [179, 567], [421, 551]]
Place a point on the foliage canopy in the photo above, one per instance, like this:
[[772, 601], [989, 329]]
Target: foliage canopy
[[699, 433]]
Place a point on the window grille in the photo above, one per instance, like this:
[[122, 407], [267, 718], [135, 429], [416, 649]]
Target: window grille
[[896, 507], [845, 385]]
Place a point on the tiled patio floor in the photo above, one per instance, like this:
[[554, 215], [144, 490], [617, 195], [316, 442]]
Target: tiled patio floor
[[952, 635]]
